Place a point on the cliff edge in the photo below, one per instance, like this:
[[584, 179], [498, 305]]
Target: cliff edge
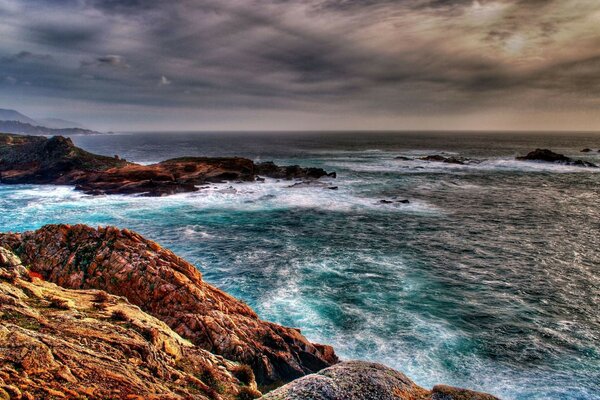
[[124, 263]]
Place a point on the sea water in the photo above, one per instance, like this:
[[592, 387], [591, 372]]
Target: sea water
[[489, 278]]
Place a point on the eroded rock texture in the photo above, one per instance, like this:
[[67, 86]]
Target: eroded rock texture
[[124, 263], [359, 380], [86, 344]]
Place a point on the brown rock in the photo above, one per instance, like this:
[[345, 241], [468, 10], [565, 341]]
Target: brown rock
[[83, 352], [38, 160], [124, 263]]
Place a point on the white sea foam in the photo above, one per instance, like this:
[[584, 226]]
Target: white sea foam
[[421, 166]]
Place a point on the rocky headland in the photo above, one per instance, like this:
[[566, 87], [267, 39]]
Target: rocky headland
[[107, 314], [56, 160]]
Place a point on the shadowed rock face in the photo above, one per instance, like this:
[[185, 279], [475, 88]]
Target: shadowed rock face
[[123, 263], [546, 155], [61, 343], [359, 380], [39, 160]]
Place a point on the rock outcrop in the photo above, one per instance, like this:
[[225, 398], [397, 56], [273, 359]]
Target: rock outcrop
[[358, 380], [448, 160], [546, 155], [291, 172], [106, 314], [124, 263], [39, 160], [86, 344]]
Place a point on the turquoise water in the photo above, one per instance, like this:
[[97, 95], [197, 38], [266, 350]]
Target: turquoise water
[[489, 279]]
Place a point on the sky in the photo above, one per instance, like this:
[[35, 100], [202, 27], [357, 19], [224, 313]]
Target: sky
[[304, 64]]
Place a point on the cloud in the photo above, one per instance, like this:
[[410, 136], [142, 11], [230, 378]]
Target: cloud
[[109, 60], [344, 57], [27, 56]]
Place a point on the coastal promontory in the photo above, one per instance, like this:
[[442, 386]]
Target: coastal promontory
[[56, 160]]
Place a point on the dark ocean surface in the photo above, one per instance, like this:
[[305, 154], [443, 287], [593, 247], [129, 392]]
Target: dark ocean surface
[[488, 279]]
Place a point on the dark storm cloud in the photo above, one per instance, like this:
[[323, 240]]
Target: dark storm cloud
[[59, 35], [394, 57]]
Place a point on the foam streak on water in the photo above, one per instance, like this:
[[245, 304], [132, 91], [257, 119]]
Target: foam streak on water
[[488, 279]]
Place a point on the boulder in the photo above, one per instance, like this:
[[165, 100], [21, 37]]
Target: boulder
[[360, 380]]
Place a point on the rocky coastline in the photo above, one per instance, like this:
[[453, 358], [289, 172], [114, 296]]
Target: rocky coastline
[[56, 160], [105, 313]]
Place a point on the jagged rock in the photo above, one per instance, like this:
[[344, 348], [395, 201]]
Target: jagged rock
[[124, 263], [359, 380], [546, 155], [98, 346], [448, 160], [39, 160], [403, 201], [291, 172]]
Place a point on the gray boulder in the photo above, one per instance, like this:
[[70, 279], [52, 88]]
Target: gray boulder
[[359, 380]]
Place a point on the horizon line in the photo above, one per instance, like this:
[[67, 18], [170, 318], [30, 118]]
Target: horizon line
[[356, 131]]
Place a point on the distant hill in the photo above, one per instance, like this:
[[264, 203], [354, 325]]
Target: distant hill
[[57, 123], [29, 129], [12, 121], [13, 115]]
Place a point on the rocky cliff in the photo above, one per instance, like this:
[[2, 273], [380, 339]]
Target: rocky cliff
[[124, 263], [39, 160], [57, 343], [106, 314]]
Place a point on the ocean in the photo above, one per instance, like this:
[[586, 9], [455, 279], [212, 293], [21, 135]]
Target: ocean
[[489, 278]]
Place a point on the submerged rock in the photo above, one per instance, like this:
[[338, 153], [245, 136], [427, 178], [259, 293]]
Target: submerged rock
[[124, 263], [447, 160], [586, 150], [403, 201], [546, 155], [359, 380], [39, 160]]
